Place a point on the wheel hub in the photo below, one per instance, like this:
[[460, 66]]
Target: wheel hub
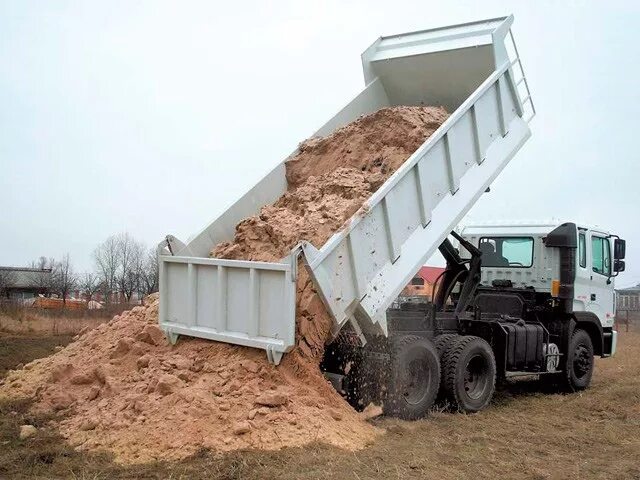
[[417, 382], [581, 361], [476, 377]]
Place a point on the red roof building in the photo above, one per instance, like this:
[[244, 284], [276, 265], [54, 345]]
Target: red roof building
[[422, 284]]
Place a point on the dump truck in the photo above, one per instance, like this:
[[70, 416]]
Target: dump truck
[[515, 300], [486, 322]]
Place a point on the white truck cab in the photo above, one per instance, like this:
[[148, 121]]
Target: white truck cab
[[568, 261]]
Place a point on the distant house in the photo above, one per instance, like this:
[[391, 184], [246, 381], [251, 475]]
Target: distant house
[[422, 284], [21, 283], [114, 297], [628, 298]]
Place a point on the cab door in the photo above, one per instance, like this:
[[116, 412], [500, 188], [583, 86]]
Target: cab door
[[582, 283], [600, 300]]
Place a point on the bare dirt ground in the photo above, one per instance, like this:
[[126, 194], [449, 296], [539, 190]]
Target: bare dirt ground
[[19, 348], [524, 434]]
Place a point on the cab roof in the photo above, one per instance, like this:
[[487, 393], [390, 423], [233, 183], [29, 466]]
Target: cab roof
[[519, 227]]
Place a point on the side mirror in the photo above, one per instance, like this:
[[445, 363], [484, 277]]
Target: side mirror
[[619, 249], [618, 265]]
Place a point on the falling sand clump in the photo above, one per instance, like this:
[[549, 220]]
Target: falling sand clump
[[122, 388]]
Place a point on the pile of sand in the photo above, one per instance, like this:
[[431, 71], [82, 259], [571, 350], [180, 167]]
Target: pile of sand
[[121, 387], [313, 211], [329, 180]]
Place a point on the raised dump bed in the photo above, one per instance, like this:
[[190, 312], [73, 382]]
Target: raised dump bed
[[474, 71]]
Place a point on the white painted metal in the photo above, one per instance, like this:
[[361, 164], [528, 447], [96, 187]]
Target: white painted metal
[[593, 292], [246, 303], [360, 270], [405, 221], [546, 261]]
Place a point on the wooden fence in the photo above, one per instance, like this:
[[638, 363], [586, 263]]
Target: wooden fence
[[627, 318]]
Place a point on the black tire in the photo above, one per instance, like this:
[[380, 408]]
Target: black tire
[[413, 378], [443, 344], [469, 370], [579, 368]]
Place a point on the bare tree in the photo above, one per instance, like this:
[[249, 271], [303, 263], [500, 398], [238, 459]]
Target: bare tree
[[125, 266], [150, 274], [107, 259], [90, 285], [42, 279], [40, 263], [7, 279], [64, 280], [131, 259]]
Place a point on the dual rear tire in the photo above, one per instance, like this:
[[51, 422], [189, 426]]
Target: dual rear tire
[[468, 373], [461, 368]]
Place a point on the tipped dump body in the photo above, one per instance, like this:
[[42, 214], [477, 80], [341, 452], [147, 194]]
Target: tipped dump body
[[361, 269]]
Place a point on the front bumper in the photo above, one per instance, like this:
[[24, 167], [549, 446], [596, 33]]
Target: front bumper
[[614, 342], [610, 343]]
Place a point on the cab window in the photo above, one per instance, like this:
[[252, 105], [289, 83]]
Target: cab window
[[600, 255], [582, 250], [514, 252]]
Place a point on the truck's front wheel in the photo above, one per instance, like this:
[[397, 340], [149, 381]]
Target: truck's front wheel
[[469, 369], [577, 375], [413, 378]]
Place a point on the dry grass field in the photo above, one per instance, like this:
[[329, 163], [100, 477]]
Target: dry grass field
[[37, 321], [525, 433], [37, 325]]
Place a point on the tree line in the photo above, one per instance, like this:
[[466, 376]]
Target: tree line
[[123, 266]]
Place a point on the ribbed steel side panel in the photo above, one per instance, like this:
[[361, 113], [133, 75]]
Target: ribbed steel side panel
[[362, 269], [246, 303]]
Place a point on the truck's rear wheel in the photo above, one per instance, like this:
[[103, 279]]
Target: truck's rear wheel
[[469, 369], [413, 379], [443, 344]]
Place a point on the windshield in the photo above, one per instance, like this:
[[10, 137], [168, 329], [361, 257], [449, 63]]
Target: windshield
[[514, 252]]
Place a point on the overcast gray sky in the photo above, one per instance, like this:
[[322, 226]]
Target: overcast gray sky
[[152, 117]]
